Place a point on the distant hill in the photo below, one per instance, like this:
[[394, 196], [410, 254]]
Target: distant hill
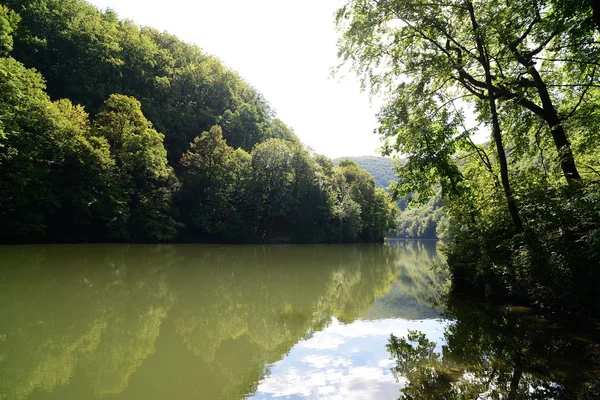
[[379, 167]]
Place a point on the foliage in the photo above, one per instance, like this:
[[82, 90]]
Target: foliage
[[135, 169], [213, 178], [521, 209], [9, 21], [421, 221], [146, 182], [493, 354], [86, 55], [55, 176], [382, 168], [377, 211]]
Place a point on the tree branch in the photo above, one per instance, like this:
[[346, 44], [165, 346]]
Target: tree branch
[[583, 93]]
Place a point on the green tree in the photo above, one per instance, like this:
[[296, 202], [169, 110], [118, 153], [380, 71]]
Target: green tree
[[146, 181], [214, 180], [492, 354], [271, 188], [354, 185], [9, 21], [55, 177], [87, 54]]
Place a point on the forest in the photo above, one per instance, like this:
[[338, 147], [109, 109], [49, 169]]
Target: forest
[[382, 168], [416, 219], [112, 132], [523, 206]]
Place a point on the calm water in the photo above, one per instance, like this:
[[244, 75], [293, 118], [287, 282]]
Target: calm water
[[265, 322]]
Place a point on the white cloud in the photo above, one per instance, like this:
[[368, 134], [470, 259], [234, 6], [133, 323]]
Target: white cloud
[[355, 383], [322, 361], [360, 328], [323, 341], [292, 382], [386, 363], [337, 333]]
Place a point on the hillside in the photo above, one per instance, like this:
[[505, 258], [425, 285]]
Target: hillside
[[114, 132], [414, 222], [380, 167]]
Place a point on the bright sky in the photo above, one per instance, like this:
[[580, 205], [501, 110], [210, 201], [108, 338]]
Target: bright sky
[[283, 48]]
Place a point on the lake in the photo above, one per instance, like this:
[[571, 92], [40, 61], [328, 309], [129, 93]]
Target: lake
[[268, 322]]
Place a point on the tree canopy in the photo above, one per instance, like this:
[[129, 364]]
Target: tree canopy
[[114, 132], [527, 72]]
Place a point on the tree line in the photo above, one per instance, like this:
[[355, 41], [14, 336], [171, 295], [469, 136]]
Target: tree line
[[114, 132], [416, 219], [523, 209]]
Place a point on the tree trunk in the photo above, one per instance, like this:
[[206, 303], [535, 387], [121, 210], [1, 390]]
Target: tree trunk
[[567, 161], [514, 383], [497, 133], [596, 11]]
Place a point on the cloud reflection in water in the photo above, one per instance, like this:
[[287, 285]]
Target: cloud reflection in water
[[343, 362]]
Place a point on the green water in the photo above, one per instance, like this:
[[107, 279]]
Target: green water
[[261, 322]]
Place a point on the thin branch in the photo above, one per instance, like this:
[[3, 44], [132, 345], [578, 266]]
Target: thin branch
[[595, 62], [452, 101], [483, 157], [467, 86], [577, 45], [591, 169], [533, 52], [520, 40], [585, 85], [583, 93]]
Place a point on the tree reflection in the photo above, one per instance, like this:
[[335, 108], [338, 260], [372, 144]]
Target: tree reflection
[[494, 354], [417, 291], [171, 321]]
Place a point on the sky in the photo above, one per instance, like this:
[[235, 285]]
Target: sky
[[283, 48]]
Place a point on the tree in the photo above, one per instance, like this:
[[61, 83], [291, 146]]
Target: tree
[[110, 175], [271, 187], [9, 20], [354, 185], [528, 71], [146, 181], [214, 180], [55, 176], [490, 354]]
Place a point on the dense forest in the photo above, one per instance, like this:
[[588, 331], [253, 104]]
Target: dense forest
[[522, 210], [418, 218], [382, 168], [114, 132]]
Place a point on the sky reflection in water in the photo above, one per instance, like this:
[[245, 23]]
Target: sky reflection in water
[[344, 362], [215, 322], [132, 322]]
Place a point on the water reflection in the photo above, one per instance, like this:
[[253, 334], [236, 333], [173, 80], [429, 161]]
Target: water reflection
[[185, 321], [233, 322], [499, 353]]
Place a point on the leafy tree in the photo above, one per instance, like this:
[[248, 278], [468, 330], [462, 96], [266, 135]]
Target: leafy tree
[[146, 181], [9, 21], [54, 175], [86, 55], [421, 221], [492, 354], [213, 186], [271, 187], [377, 211], [528, 72], [382, 168], [111, 175]]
